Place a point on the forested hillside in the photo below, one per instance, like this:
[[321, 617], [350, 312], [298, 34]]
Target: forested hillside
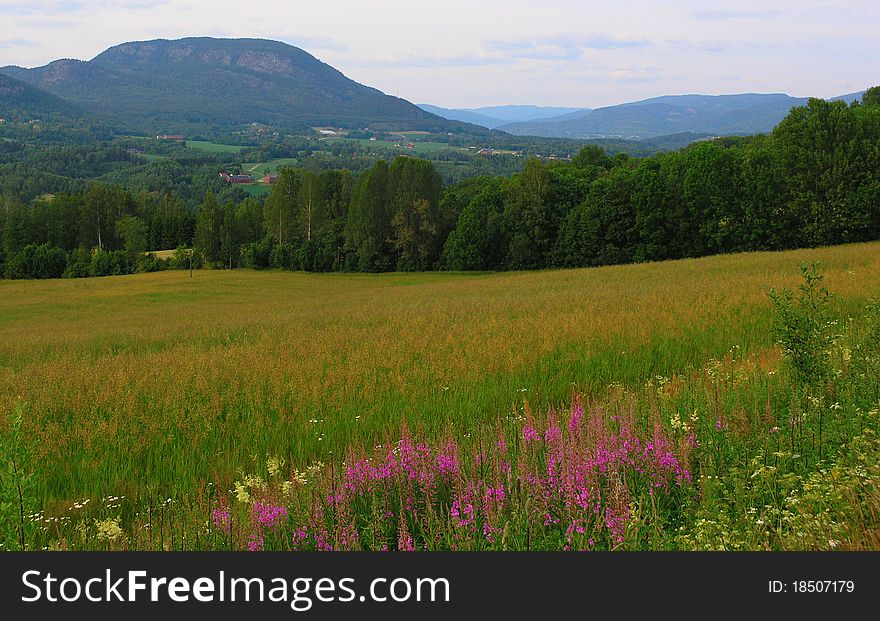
[[814, 181]]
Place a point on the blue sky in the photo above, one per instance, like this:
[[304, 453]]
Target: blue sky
[[476, 53]]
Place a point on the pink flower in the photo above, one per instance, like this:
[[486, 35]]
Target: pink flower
[[530, 434], [269, 516], [222, 519]]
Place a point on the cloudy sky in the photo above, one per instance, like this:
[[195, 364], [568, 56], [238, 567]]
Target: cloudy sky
[[485, 52]]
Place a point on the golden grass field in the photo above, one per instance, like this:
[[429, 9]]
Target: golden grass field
[[163, 380]]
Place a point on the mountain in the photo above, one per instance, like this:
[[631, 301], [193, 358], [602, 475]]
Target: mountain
[[465, 116], [701, 114], [525, 113], [495, 116], [22, 101], [172, 86], [851, 97]]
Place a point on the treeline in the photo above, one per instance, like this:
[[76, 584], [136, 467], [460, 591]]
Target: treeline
[[814, 181], [102, 231]]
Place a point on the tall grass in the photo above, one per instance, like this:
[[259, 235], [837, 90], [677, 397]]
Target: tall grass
[[147, 388]]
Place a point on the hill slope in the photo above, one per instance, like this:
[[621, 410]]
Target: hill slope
[[22, 101], [166, 85], [719, 115]]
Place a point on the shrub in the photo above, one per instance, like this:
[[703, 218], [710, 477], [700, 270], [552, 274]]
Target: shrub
[[282, 257], [802, 327], [16, 486], [258, 255], [78, 264], [151, 263], [37, 261], [109, 263]]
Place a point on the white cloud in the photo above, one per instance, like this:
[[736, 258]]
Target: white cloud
[[465, 53]]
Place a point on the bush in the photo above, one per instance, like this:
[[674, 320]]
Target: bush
[[151, 263], [37, 261], [183, 258], [78, 264], [802, 327], [282, 257], [257, 256], [17, 483], [109, 263]]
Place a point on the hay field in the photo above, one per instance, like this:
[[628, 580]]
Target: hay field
[[162, 380]]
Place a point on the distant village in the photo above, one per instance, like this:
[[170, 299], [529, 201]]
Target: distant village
[[329, 133], [229, 178]]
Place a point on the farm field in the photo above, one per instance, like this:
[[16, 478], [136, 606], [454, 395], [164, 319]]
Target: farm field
[[420, 146], [256, 189], [213, 147], [272, 166], [215, 390], [163, 254]]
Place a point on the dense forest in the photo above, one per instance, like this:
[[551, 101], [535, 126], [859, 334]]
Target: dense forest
[[815, 180]]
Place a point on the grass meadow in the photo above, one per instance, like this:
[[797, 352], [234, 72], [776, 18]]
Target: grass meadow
[[213, 147], [259, 170], [270, 410]]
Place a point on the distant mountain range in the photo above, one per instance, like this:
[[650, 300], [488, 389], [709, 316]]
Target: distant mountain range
[[171, 86], [717, 115], [192, 84], [496, 116]]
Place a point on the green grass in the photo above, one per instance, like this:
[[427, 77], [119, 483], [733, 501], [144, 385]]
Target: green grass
[[259, 170], [420, 145], [256, 189], [161, 381], [213, 147]]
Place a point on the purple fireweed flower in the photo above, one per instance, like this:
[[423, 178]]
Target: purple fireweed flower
[[269, 516], [490, 532], [255, 543], [530, 434], [405, 541], [495, 494], [553, 434], [577, 415], [581, 486], [462, 511], [405, 544], [223, 519], [447, 465]]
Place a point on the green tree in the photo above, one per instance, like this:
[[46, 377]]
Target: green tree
[[479, 240], [528, 218], [207, 234], [249, 216], [415, 188], [279, 210], [230, 236], [368, 228], [601, 230], [134, 234], [871, 96]]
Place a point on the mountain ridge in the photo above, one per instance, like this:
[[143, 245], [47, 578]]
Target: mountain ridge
[[737, 114], [169, 85], [492, 117]]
